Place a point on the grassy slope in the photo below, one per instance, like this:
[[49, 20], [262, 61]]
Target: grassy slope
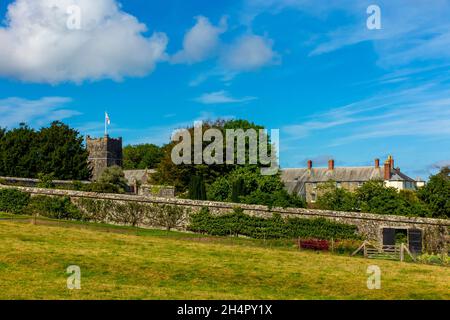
[[157, 265]]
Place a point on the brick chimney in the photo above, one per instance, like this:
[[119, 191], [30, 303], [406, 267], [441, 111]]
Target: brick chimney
[[331, 164], [309, 164], [377, 163], [391, 162], [387, 170]]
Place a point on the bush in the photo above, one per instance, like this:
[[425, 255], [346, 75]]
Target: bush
[[197, 189], [441, 259], [13, 201], [372, 197], [45, 181], [334, 198], [114, 176], [346, 246], [237, 223], [247, 185], [315, 244], [436, 194], [54, 207], [100, 188], [169, 216]]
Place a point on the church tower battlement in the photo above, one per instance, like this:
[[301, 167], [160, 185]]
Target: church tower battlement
[[103, 152]]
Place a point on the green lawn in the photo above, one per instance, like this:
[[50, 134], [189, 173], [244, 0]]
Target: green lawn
[[126, 263]]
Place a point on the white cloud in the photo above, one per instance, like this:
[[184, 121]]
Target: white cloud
[[243, 53], [35, 112], [422, 111], [37, 46], [221, 97], [201, 42], [249, 52], [411, 31]]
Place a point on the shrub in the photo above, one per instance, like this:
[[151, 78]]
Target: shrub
[[346, 246], [45, 181], [197, 189], [334, 198], [441, 259], [114, 176], [77, 185], [54, 207], [132, 213], [169, 216], [95, 210], [247, 185], [315, 244], [237, 223], [101, 187], [13, 201]]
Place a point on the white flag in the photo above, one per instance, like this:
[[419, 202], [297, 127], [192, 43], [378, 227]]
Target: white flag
[[108, 121]]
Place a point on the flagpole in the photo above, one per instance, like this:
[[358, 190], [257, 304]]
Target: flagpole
[[106, 126]]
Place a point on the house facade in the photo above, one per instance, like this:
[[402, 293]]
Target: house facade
[[306, 181]]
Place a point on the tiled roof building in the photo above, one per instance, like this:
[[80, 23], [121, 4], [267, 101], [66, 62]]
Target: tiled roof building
[[304, 181]]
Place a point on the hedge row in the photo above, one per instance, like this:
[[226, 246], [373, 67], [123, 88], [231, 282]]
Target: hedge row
[[237, 223], [18, 202], [234, 223], [123, 213]]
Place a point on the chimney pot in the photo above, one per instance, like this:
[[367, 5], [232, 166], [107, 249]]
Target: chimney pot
[[391, 161], [331, 164], [377, 163], [309, 164]]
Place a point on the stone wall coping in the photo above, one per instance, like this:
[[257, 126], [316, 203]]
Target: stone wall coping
[[226, 205], [12, 179]]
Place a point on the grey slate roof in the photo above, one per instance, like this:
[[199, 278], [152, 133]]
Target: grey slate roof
[[137, 175], [348, 174], [295, 179]]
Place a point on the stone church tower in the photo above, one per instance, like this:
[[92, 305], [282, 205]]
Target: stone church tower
[[103, 152]]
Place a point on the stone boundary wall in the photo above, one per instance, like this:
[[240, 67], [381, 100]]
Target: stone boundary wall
[[435, 231], [33, 182]]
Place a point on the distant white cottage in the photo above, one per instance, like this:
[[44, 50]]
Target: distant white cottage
[[305, 181]]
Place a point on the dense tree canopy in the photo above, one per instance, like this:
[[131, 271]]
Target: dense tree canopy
[[436, 193], [180, 175], [19, 152], [246, 185], [56, 150], [431, 201], [142, 156], [234, 182]]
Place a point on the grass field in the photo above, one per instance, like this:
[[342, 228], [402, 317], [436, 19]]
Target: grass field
[[125, 263]]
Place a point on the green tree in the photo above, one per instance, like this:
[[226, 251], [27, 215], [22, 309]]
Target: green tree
[[45, 181], [237, 190], [197, 189], [18, 152], [179, 175], [61, 152], [246, 185], [143, 156], [114, 176], [436, 194], [56, 150], [333, 198], [372, 197]]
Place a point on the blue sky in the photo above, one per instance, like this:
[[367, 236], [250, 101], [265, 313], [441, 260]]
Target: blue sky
[[314, 70]]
